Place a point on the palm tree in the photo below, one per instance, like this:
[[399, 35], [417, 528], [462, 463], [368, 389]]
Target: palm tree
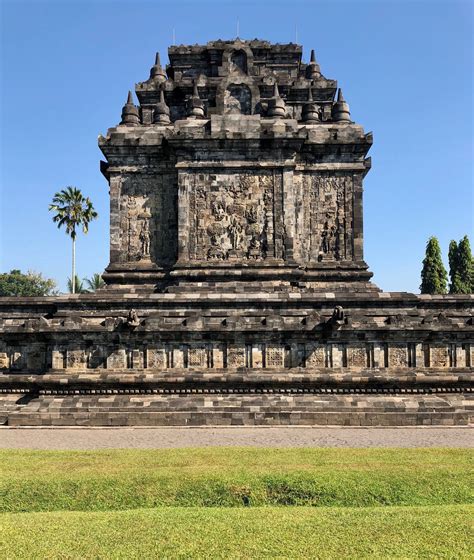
[[95, 282], [73, 211], [79, 287]]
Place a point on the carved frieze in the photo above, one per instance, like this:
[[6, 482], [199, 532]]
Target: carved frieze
[[148, 218], [231, 216], [323, 217]]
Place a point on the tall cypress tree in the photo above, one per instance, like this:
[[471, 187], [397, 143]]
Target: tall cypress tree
[[464, 267], [455, 286], [433, 274]]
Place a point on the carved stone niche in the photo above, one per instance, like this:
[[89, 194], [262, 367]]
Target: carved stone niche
[[238, 100], [239, 60]]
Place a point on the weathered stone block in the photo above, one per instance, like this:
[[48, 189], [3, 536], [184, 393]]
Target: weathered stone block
[[4, 360]]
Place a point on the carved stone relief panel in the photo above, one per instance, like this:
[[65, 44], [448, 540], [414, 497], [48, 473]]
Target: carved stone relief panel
[[235, 356], [197, 357], [275, 356], [397, 355], [357, 355], [315, 355], [323, 217], [76, 359], [231, 216], [439, 355], [148, 218], [156, 358]]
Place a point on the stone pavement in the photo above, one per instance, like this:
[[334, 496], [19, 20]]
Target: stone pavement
[[143, 438]]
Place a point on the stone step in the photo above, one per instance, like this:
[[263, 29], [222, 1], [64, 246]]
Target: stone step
[[178, 410]]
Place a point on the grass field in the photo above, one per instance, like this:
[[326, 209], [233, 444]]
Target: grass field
[[236, 503]]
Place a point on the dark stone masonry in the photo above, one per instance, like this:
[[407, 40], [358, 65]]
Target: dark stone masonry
[[237, 291]]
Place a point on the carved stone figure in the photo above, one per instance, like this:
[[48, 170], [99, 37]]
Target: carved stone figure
[[145, 238], [328, 239], [132, 318], [235, 231], [338, 313]]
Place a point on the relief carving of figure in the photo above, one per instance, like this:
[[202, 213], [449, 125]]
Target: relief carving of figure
[[132, 318], [145, 238], [218, 209], [328, 239], [235, 231]]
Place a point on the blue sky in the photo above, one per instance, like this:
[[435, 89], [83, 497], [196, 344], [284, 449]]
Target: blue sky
[[405, 68]]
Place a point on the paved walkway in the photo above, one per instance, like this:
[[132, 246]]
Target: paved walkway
[[143, 438]]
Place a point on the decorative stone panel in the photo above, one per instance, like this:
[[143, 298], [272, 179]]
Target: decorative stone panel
[[315, 355], [117, 359], [397, 355], [198, 357], [336, 357], [57, 359], [156, 358], [323, 226], [439, 355], [357, 355], [76, 359], [235, 356], [148, 218], [275, 356], [231, 216]]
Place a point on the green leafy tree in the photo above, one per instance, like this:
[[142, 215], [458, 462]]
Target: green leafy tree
[[15, 283], [464, 268], [433, 274], [79, 286], [461, 271], [73, 211], [453, 258], [95, 282]]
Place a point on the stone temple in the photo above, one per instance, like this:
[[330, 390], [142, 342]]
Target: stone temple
[[237, 291]]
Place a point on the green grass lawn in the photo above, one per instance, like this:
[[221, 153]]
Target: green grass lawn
[[236, 503], [263, 532], [128, 479]]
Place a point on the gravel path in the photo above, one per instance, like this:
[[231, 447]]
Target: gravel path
[[142, 438]]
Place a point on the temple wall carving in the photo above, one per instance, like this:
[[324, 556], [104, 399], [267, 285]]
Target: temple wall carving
[[267, 355], [147, 218], [323, 217], [231, 216]]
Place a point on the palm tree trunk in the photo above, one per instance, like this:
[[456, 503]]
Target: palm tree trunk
[[73, 279]]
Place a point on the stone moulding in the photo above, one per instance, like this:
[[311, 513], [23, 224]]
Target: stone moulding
[[410, 356]]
